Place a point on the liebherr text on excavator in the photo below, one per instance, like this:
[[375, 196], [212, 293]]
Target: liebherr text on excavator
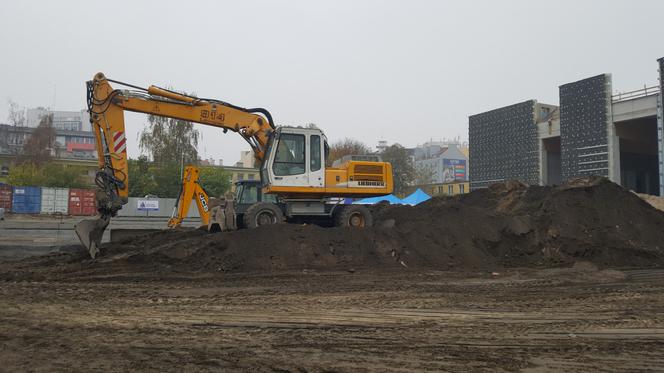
[[291, 159]]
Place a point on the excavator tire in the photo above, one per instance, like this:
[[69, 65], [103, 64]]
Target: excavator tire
[[353, 216], [262, 213]]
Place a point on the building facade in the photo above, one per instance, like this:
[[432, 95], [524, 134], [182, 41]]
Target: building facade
[[591, 132], [240, 174], [62, 120], [442, 189], [72, 144], [446, 162]]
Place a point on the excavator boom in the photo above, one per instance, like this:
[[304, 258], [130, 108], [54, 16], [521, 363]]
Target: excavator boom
[[106, 106]]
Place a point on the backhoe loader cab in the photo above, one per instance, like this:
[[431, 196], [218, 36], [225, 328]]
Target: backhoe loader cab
[[248, 193]]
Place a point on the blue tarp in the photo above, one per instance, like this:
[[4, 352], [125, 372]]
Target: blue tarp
[[416, 198], [392, 199]]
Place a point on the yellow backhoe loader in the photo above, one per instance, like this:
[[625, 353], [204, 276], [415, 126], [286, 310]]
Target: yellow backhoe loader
[[192, 190], [291, 159]]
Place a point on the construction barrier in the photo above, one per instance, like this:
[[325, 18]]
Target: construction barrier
[[154, 207]]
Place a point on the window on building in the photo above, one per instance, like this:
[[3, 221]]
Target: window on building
[[240, 177], [251, 176], [290, 155], [440, 190], [450, 189], [315, 153], [462, 188]]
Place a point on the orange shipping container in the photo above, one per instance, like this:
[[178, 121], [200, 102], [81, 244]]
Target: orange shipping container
[[6, 197], [82, 202]]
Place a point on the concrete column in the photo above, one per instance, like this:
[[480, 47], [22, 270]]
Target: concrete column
[[660, 126], [544, 162], [612, 140], [660, 139]]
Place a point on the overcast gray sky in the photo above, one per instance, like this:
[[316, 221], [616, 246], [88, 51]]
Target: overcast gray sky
[[401, 71]]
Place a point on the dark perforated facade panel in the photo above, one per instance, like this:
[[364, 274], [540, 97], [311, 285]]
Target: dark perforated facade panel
[[503, 146], [584, 118], [660, 127], [661, 76]]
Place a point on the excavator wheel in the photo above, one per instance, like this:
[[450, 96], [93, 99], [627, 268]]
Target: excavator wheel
[[353, 216], [262, 213]]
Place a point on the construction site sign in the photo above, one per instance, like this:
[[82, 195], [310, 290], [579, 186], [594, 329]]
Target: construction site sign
[[147, 205]]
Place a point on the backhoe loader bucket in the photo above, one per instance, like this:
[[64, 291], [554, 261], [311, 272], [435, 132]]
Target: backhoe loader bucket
[[91, 231], [216, 221], [222, 218]]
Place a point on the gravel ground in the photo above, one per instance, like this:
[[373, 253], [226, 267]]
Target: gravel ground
[[574, 319]]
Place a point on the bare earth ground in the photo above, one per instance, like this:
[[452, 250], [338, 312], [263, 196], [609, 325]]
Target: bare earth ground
[[575, 319]]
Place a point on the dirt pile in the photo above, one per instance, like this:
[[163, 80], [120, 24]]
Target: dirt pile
[[587, 219], [655, 201], [505, 225]]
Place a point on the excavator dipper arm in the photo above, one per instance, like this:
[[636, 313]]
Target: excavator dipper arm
[[106, 106]]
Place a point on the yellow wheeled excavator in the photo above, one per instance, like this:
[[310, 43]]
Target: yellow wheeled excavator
[[291, 159]]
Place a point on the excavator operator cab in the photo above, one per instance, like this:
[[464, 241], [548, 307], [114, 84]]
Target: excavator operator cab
[[296, 158]]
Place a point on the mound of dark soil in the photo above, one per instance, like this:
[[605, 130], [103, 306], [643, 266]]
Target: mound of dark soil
[[505, 225], [587, 219]]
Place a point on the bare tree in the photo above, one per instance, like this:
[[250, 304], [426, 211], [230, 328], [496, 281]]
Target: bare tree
[[403, 170], [424, 174], [344, 147], [16, 116], [39, 146]]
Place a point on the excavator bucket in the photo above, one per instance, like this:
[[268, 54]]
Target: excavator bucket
[[91, 231]]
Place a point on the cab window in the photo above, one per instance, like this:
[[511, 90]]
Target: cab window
[[238, 193], [270, 198], [315, 153], [290, 156], [249, 194]]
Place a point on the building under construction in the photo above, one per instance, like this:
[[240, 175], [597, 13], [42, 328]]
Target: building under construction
[[592, 132]]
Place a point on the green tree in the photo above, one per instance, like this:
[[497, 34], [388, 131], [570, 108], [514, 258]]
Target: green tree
[[148, 178], [402, 167], [168, 140], [47, 175], [215, 181], [166, 179], [62, 176], [344, 147], [26, 174], [141, 181]]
